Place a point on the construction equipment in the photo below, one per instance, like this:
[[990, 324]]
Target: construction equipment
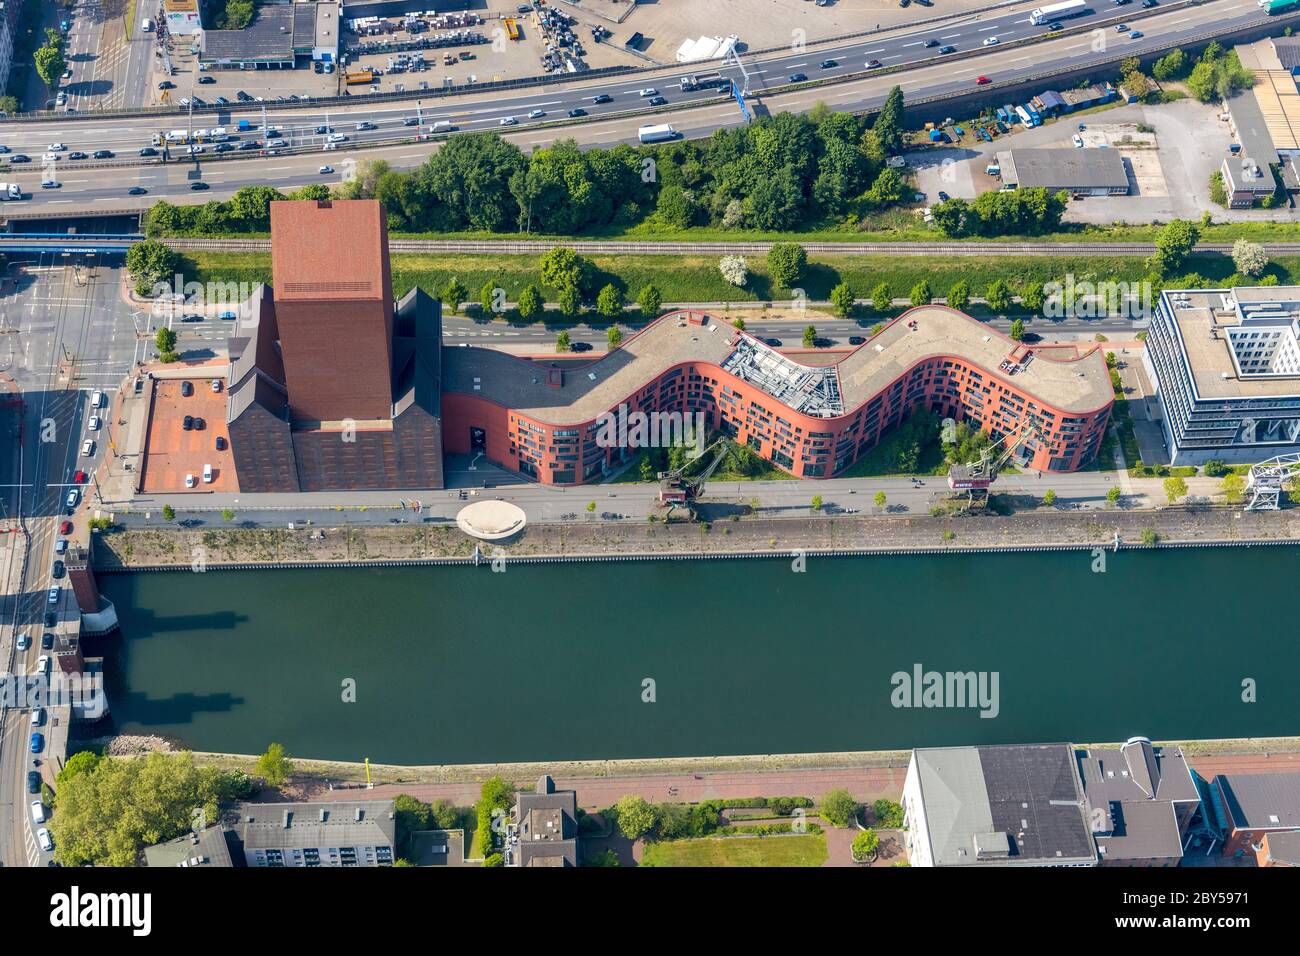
[[974, 478], [675, 488], [1267, 480]]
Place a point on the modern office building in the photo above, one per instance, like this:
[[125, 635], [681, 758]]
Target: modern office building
[[332, 385], [333, 833], [811, 418], [1017, 805], [1225, 365]]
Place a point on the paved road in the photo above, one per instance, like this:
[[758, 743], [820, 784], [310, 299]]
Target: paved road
[[86, 185]]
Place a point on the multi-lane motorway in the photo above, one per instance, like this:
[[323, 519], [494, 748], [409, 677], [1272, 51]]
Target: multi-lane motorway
[[904, 60]]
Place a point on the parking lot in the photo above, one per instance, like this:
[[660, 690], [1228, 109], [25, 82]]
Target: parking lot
[[173, 451]]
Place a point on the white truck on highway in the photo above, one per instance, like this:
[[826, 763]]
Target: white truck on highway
[[656, 134], [10, 191]]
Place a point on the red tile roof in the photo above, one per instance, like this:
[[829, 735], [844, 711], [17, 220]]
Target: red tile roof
[[308, 262]]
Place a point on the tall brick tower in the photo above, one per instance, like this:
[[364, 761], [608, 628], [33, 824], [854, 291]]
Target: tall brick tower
[[333, 308]]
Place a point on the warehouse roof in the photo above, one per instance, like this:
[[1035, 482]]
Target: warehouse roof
[[268, 37], [1064, 168]]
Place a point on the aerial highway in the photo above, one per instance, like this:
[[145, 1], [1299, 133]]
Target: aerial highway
[[305, 129]]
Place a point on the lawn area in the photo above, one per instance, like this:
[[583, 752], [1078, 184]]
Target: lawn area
[[807, 849], [697, 279]]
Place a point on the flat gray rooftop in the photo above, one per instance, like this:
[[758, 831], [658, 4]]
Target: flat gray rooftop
[[1064, 168]]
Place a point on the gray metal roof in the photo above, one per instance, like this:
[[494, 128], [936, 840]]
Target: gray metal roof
[[206, 849], [1006, 805], [1261, 800], [1288, 51], [1284, 848], [268, 37], [326, 824], [1252, 129], [1064, 168]]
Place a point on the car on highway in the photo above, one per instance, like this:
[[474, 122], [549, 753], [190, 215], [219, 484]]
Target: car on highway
[[37, 743], [1148, 4], [51, 184], [224, 148], [148, 151], [648, 92], [43, 838], [51, 619], [580, 347], [20, 158], [93, 423], [947, 49], [856, 340], [23, 641], [325, 170], [361, 127], [199, 186], [33, 781], [828, 64], [194, 149], [38, 716], [507, 121], [322, 130], [991, 41], [56, 148], [71, 500], [798, 77], [1121, 28], [47, 641], [58, 570], [249, 144], [87, 449], [1136, 35], [982, 80], [931, 43], [411, 121], [536, 114], [207, 80], [76, 154], [192, 317], [1054, 26], [657, 101], [274, 143], [873, 64], [774, 343], [65, 527], [576, 112], [79, 477], [50, 157], [603, 98]]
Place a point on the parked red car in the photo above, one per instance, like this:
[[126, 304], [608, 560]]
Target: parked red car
[[65, 527], [79, 478]]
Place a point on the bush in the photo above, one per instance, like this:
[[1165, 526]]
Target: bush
[[865, 845], [889, 815], [838, 807]]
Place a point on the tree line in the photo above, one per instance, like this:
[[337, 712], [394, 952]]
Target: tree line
[[778, 173]]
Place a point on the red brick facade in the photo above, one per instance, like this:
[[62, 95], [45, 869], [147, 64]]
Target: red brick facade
[[801, 445]]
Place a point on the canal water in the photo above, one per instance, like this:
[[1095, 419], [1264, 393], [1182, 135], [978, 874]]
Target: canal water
[[541, 662]]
